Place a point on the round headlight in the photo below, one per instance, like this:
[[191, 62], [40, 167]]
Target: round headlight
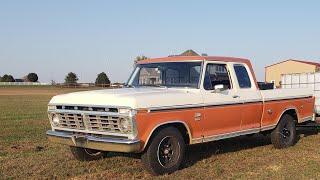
[[124, 125], [55, 120]]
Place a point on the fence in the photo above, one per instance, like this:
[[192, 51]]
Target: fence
[[75, 85], [23, 84], [88, 85]]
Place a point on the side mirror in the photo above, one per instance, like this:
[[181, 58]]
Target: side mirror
[[218, 88]]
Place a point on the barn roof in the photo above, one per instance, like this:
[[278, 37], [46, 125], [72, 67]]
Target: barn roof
[[300, 61]]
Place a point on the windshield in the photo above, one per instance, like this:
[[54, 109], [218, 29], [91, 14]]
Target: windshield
[[168, 74]]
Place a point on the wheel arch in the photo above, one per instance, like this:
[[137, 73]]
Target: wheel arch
[[180, 125], [292, 111]]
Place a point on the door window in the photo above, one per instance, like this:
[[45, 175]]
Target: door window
[[216, 74], [242, 76]]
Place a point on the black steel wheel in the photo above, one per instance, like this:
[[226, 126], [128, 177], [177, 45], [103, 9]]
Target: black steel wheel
[[165, 152], [168, 151], [284, 135]]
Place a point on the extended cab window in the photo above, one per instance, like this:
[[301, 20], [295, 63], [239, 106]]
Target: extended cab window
[[216, 74], [242, 76]]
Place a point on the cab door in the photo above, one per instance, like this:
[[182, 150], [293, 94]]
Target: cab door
[[222, 103], [251, 97]]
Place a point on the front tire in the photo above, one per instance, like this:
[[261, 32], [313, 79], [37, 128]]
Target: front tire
[[165, 152], [284, 135], [83, 154]]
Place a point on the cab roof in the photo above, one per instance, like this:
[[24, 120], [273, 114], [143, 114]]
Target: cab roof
[[187, 58], [202, 58]]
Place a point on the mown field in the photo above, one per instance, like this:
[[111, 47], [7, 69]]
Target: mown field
[[25, 152]]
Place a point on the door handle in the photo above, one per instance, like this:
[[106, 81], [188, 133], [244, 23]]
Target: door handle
[[236, 96], [197, 116]]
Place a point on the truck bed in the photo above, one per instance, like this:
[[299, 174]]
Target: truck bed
[[281, 94], [304, 80], [277, 101]]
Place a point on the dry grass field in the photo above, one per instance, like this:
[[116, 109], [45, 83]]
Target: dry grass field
[[25, 152]]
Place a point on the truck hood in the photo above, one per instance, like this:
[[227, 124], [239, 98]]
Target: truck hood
[[135, 98]]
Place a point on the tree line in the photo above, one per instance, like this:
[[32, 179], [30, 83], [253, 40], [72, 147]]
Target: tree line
[[72, 78], [31, 77]]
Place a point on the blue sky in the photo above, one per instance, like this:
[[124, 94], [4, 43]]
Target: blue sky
[[52, 38]]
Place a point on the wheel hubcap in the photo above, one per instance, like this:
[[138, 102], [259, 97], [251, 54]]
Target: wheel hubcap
[[285, 133], [166, 151]]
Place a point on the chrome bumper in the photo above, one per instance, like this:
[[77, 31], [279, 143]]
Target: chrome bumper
[[91, 142]]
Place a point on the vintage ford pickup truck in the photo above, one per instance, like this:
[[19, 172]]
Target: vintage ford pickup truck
[[172, 102]]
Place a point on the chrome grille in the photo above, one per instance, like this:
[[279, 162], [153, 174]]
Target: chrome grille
[[72, 121], [91, 122], [102, 123]]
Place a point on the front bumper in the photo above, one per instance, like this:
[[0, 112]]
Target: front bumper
[[91, 142]]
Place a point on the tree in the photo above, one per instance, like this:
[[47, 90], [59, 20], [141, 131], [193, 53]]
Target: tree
[[32, 77], [3, 78], [139, 58], [102, 78], [71, 78], [7, 78]]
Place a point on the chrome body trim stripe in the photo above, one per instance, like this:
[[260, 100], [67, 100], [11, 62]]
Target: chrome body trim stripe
[[287, 98], [218, 104], [268, 127], [225, 135], [200, 105]]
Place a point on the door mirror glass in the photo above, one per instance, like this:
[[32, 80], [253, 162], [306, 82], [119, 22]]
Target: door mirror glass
[[219, 88]]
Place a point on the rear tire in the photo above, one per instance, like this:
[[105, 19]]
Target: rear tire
[[284, 135], [83, 154], [165, 152]]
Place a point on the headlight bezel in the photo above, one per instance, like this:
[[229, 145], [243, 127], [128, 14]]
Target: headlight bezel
[[130, 118], [125, 125], [55, 120]]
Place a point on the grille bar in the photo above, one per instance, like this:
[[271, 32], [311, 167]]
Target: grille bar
[[72, 121], [103, 123], [91, 122]]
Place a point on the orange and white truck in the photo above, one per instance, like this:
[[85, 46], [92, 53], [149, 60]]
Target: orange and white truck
[[172, 102]]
